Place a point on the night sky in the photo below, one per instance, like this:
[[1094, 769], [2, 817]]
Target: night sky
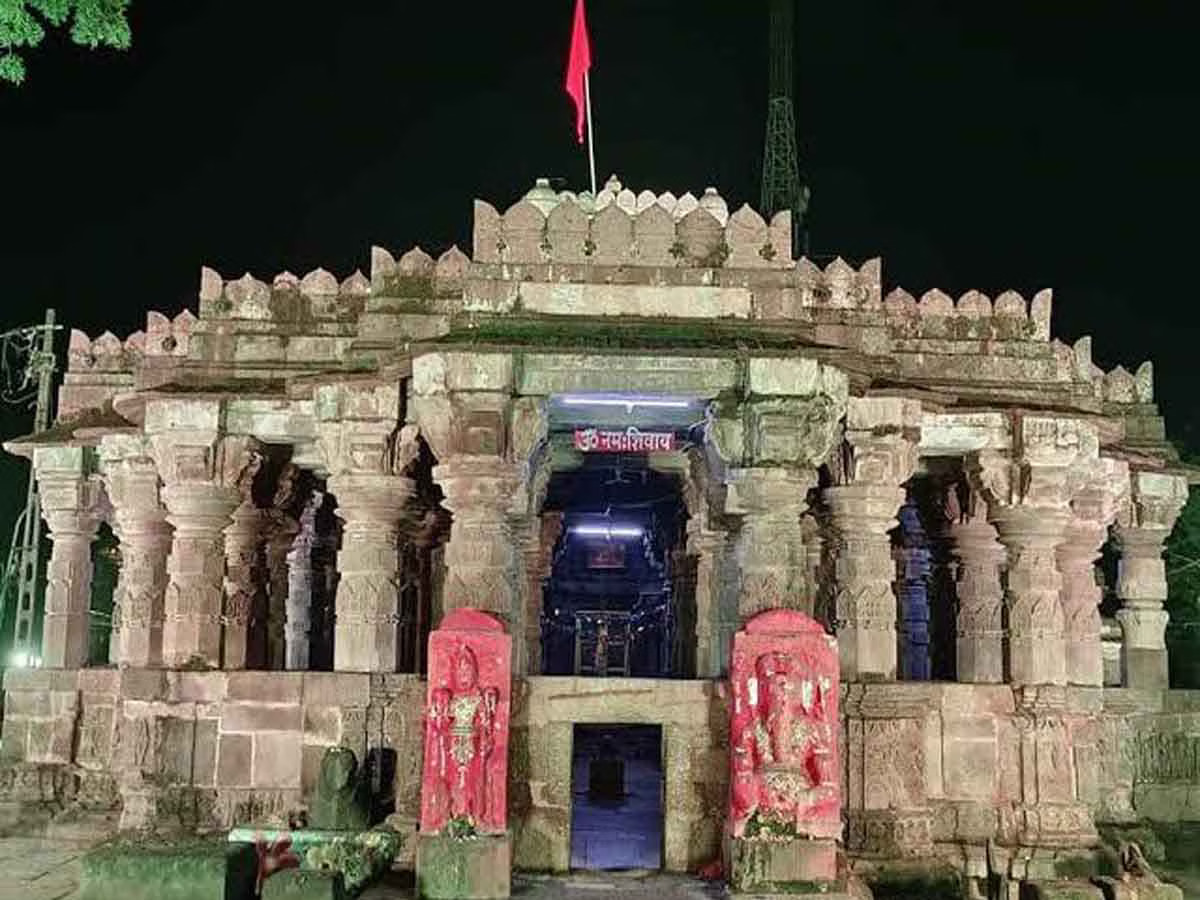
[[971, 145]]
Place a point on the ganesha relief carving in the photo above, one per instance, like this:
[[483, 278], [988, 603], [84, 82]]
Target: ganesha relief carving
[[784, 779]]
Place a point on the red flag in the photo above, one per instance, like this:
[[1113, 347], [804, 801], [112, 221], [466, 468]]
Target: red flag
[[578, 63]]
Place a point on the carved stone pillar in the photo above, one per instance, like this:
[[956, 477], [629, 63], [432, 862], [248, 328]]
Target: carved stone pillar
[[979, 623], [72, 500], [913, 590], [371, 507], [480, 557], [1092, 511], [707, 547], [880, 456], [1028, 492], [281, 526], [769, 546], [1143, 526], [1036, 646], [203, 475], [539, 558], [243, 640], [132, 481], [298, 614]]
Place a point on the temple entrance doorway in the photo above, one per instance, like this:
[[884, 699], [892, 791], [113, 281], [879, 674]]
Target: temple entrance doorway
[[617, 797], [615, 604], [618, 600]]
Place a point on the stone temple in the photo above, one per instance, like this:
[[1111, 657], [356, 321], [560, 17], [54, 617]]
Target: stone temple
[[625, 428]]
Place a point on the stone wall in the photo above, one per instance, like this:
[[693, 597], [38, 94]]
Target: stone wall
[[207, 750], [929, 769]]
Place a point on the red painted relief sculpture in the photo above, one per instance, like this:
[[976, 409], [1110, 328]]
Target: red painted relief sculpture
[[465, 776], [784, 735]]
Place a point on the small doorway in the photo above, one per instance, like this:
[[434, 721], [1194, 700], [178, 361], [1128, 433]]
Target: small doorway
[[617, 797]]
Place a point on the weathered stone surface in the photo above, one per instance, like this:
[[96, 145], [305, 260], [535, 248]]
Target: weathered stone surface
[[477, 869], [196, 870]]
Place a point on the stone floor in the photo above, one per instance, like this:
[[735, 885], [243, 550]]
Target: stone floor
[[39, 869], [584, 887]]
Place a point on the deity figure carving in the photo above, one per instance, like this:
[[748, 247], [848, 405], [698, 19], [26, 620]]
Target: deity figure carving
[[466, 725], [784, 776]]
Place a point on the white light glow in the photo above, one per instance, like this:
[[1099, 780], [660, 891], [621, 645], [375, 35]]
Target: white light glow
[[609, 531], [20, 660], [627, 403]]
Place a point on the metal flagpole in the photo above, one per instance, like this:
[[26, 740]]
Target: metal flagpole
[[587, 95]]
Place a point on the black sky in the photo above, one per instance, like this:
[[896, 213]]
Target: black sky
[[971, 145]]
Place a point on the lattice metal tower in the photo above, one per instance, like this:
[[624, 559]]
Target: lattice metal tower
[[35, 347], [781, 185]]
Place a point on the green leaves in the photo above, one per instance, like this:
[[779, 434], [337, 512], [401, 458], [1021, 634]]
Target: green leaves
[[94, 23]]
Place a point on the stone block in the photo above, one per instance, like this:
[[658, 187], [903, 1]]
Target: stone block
[[185, 870], [99, 681], [1060, 890], [198, 687], [144, 684], [336, 689], [40, 680], [253, 718], [233, 760], [475, 869], [322, 724], [1114, 889], [304, 884], [27, 703], [265, 687], [15, 744], [797, 866], [277, 760]]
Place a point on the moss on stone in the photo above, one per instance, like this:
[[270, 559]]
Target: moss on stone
[[928, 881], [150, 869], [304, 884], [620, 335]]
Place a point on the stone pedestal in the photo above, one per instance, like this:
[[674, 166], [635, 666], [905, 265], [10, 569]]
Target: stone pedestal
[[476, 868], [769, 547], [979, 638], [71, 496], [367, 605], [865, 606], [1036, 649], [481, 558], [797, 867]]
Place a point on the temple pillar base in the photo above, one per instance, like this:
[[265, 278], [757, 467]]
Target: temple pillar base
[[801, 867], [475, 868]]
